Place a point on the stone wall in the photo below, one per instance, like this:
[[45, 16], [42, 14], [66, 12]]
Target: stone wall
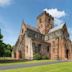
[[28, 48]]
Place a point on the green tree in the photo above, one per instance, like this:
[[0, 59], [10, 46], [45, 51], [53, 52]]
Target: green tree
[[1, 44], [1, 36], [5, 49]]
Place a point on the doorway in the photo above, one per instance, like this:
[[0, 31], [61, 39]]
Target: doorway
[[67, 53], [20, 54], [14, 54]]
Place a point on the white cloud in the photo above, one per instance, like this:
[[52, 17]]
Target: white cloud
[[55, 12], [57, 21], [5, 2]]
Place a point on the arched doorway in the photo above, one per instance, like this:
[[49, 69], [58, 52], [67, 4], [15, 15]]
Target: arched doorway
[[14, 54], [48, 51], [67, 53], [20, 54]]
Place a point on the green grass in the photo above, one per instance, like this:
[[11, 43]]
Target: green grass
[[27, 62], [6, 58], [60, 67]]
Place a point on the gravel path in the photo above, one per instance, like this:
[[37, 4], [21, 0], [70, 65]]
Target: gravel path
[[15, 66]]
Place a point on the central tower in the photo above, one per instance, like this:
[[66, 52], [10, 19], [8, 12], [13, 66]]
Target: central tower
[[45, 22]]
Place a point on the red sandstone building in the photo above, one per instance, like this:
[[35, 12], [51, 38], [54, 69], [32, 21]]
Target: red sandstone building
[[45, 39]]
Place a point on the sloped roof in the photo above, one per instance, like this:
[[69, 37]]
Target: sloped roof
[[56, 28], [32, 28]]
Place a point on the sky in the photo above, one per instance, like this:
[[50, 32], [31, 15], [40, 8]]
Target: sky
[[13, 12]]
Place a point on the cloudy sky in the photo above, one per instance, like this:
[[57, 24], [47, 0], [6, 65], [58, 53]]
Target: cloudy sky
[[12, 12]]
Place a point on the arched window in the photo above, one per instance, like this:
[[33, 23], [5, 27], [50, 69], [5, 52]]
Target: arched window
[[48, 49], [53, 43], [14, 54], [40, 20], [27, 49], [20, 54], [53, 50], [22, 30]]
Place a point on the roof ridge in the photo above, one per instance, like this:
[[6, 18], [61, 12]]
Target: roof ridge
[[32, 27], [57, 28]]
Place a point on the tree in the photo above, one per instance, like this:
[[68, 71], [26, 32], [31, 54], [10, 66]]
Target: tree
[[1, 36], [1, 45], [5, 49]]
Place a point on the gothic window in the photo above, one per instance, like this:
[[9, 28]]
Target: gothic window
[[49, 20], [14, 54], [40, 20], [35, 35], [53, 43], [54, 35], [42, 37], [53, 50], [48, 49], [22, 30], [41, 25], [39, 47], [33, 45], [27, 49], [46, 37], [20, 54], [30, 33], [47, 24], [51, 36]]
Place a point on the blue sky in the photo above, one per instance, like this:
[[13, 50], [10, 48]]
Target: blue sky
[[12, 12]]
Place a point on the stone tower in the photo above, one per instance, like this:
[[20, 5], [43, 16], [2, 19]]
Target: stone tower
[[45, 22]]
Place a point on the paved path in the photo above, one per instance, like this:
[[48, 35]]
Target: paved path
[[15, 66]]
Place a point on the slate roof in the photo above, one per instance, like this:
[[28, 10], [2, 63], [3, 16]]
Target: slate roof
[[32, 28], [56, 28]]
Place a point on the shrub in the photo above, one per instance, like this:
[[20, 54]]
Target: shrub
[[45, 57], [37, 57]]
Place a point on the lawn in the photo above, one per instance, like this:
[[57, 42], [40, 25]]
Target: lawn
[[26, 62], [60, 67]]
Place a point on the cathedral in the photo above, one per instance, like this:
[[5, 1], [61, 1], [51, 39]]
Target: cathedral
[[46, 39]]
